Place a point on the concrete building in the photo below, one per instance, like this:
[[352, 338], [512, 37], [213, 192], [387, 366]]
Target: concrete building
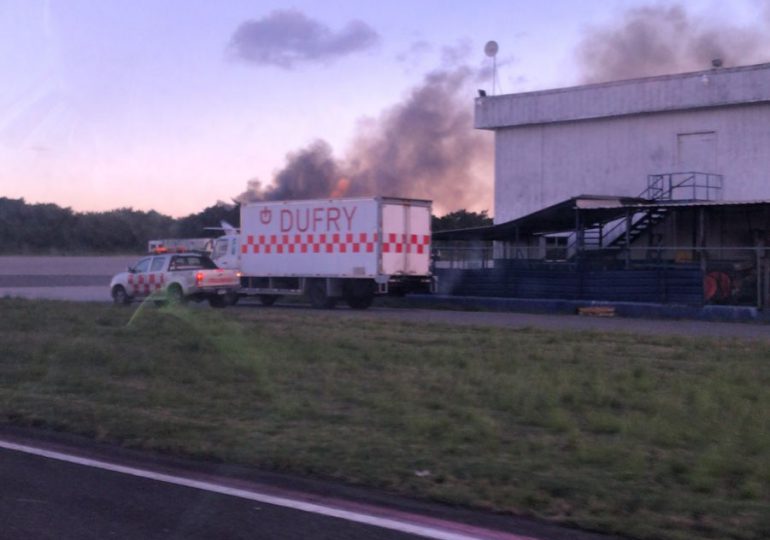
[[606, 139]]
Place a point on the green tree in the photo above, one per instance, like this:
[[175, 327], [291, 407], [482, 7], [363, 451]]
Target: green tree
[[460, 219], [194, 225]]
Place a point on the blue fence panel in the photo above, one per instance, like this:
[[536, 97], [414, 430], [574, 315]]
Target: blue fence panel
[[679, 284]]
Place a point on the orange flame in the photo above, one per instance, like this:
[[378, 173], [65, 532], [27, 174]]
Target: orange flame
[[341, 188]]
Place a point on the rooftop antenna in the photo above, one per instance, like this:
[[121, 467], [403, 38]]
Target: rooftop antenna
[[490, 49]]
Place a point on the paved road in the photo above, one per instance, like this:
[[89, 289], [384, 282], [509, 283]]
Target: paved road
[[41, 498], [60, 278], [581, 323], [548, 322], [576, 323], [64, 266], [72, 278], [83, 490]]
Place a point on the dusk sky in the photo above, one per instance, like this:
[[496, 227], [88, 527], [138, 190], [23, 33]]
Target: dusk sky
[[173, 105]]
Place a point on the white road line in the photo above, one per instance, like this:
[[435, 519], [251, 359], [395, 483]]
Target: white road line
[[358, 517]]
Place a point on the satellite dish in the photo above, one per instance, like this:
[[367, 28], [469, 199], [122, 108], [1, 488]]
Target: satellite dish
[[491, 48]]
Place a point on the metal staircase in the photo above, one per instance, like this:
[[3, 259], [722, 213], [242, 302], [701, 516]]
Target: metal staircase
[[620, 233], [640, 223]]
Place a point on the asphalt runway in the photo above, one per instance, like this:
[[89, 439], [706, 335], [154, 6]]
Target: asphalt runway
[[54, 485], [43, 498], [84, 279]]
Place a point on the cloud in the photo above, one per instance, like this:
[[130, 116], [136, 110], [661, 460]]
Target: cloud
[[657, 40], [285, 38], [424, 147]]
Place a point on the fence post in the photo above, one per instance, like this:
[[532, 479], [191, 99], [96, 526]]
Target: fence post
[[766, 299], [759, 277]]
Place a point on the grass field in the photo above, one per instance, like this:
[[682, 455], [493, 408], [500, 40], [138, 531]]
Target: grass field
[[645, 436]]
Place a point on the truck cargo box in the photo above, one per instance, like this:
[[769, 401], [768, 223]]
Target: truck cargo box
[[372, 238]]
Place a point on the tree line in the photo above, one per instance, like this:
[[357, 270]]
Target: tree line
[[50, 229]]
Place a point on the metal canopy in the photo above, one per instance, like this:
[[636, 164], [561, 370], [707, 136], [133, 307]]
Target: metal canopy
[[559, 217]]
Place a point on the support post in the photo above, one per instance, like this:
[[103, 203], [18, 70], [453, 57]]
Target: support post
[[767, 280], [628, 238], [702, 238], [758, 260]]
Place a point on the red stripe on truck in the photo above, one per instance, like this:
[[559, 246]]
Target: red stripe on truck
[[335, 243]]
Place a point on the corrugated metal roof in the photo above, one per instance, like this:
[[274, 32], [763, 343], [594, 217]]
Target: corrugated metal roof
[[561, 216], [679, 204]]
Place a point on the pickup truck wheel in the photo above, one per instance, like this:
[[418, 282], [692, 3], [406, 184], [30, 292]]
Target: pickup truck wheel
[[318, 297], [119, 295], [175, 295], [268, 299]]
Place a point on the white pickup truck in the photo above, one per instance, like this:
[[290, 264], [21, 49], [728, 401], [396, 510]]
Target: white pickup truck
[[176, 277]]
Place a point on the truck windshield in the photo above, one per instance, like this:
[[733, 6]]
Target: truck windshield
[[221, 248]]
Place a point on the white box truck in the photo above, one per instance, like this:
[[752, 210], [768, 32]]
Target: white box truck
[[332, 249]]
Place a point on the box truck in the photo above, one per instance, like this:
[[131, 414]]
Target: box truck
[[332, 249]]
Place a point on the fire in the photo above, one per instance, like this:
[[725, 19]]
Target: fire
[[341, 188]]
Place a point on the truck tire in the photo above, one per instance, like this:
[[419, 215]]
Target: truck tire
[[218, 301], [359, 293], [120, 296], [360, 302], [268, 299], [318, 298], [174, 294]]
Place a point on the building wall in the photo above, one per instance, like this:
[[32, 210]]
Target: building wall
[[604, 139], [543, 164]]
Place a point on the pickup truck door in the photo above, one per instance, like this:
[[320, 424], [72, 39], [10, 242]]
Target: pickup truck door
[[156, 275], [137, 278], [148, 276]]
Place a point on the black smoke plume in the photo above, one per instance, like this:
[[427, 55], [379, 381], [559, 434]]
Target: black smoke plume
[[424, 147], [658, 40], [287, 37], [309, 173]]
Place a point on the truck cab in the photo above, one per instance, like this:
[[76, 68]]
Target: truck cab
[[226, 252]]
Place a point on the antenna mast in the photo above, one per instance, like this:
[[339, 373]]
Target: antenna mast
[[490, 49]]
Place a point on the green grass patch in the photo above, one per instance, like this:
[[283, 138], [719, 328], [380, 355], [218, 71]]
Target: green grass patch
[[650, 437]]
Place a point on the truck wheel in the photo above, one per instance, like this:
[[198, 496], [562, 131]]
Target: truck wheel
[[268, 299], [175, 295], [359, 294], [119, 295], [318, 297], [360, 302], [217, 301]]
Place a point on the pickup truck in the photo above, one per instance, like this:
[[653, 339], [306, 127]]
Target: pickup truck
[[176, 277]]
